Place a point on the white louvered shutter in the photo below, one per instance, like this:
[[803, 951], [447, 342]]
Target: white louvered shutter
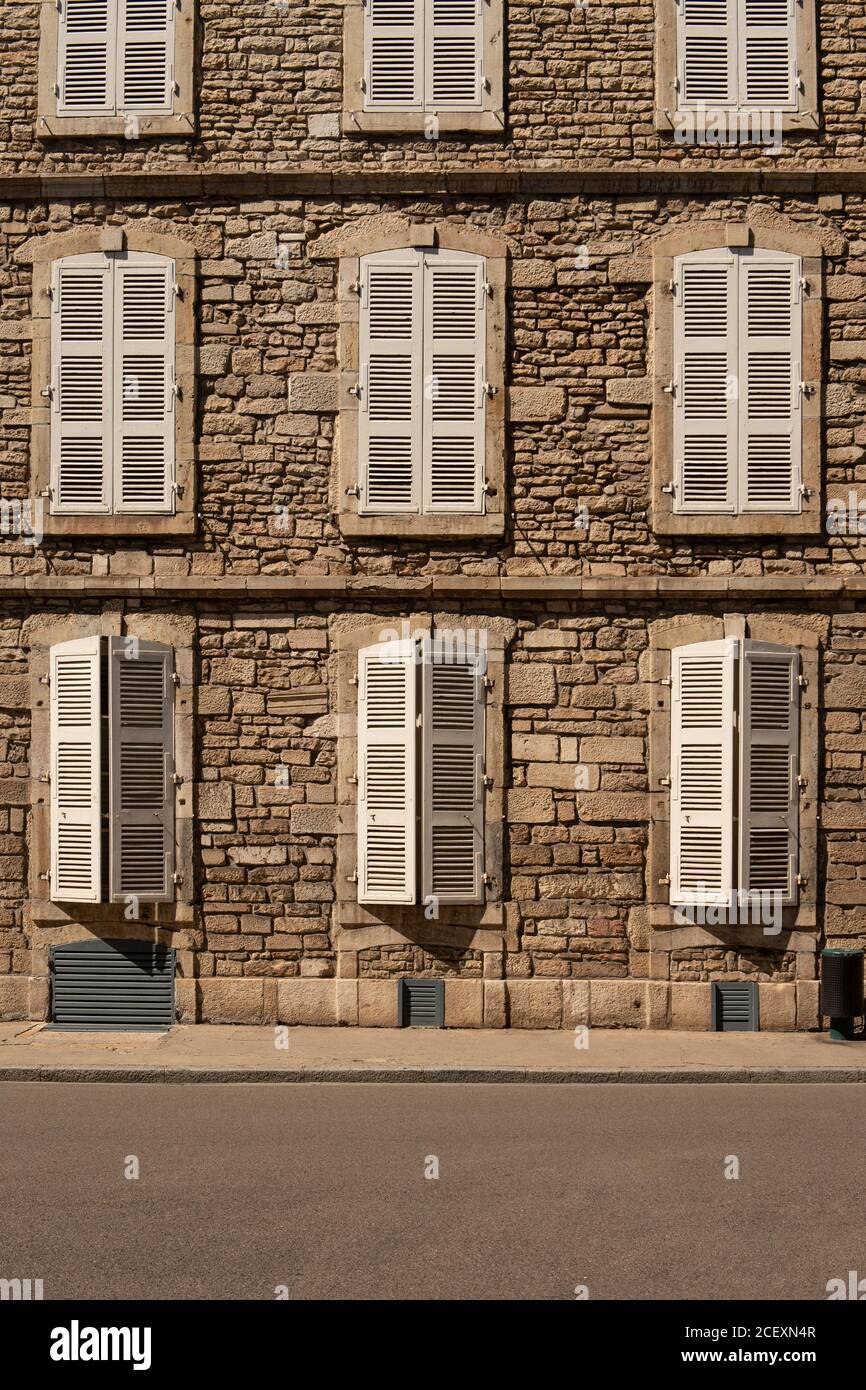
[[76, 800], [144, 411], [770, 416], [767, 54], [86, 57], [393, 55], [141, 708], [146, 49], [81, 405], [706, 49], [452, 55], [770, 756], [390, 383], [705, 383], [453, 789], [387, 776], [702, 772], [454, 398]]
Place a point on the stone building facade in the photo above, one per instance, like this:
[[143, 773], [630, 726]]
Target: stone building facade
[[256, 563]]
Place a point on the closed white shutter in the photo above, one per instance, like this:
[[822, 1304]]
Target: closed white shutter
[[146, 48], [81, 404], [454, 313], [76, 799], [453, 792], [705, 382], [706, 48], [393, 55], [702, 772], [387, 776], [86, 57], [143, 384], [141, 706], [770, 755], [767, 54], [453, 48], [390, 383], [770, 347]]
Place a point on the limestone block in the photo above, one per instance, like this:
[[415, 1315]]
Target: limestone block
[[534, 1003], [464, 1003]]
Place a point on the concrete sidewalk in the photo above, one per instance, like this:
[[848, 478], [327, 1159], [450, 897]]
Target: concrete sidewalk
[[210, 1053]]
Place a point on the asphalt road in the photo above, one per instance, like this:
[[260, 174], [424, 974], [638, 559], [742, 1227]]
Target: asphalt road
[[322, 1189]]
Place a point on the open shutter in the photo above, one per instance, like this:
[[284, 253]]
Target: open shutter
[[81, 419], [144, 380], [76, 799], [393, 54], [705, 383], [454, 313], [767, 54], [770, 756], [86, 57], [141, 709], [770, 346], [702, 772], [453, 745], [387, 758], [390, 383], [453, 47], [146, 46], [706, 48]]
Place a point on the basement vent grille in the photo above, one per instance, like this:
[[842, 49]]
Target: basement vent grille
[[421, 1004], [735, 1007], [108, 985]]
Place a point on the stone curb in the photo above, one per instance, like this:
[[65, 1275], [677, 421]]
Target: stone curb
[[643, 1076]]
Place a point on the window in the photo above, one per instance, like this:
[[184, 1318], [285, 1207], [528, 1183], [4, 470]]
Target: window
[[112, 829], [422, 391], [116, 67], [112, 384], [421, 782], [755, 57], [737, 381], [734, 819], [429, 66]]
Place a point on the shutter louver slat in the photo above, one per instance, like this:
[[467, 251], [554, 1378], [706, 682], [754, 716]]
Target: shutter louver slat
[[386, 773], [391, 372], [702, 773], [81, 408], [146, 47], [142, 794], [394, 36], [453, 746], [86, 57], [704, 403], [770, 743], [770, 411], [144, 431], [75, 721], [453, 369]]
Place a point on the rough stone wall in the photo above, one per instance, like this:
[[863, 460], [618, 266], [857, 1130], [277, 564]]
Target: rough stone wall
[[579, 86], [268, 313], [575, 867]]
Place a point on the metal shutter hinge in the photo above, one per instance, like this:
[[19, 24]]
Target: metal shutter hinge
[[672, 287], [487, 880], [177, 878], [665, 880], [488, 488], [175, 678], [47, 392], [177, 779], [488, 783], [483, 86], [46, 492], [55, 86], [44, 777], [353, 491], [177, 489], [670, 389], [355, 287], [805, 491], [352, 877], [664, 781], [804, 284], [802, 781], [353, 680], [45, 878], [489, 389], [665, 680], [801, 86], [355, 390], [801, 881], [486, 287], [353, 781], [176, 391], [806, 388], [177, 291], [669, 487], [802, 681], [44, 680], [489, 683]]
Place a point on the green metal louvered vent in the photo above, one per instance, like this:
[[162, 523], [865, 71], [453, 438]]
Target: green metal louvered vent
[[421, 1004], [112, 985], [735, 1006]]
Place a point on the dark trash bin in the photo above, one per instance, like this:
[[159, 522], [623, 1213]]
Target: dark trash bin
[[842, 990]]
